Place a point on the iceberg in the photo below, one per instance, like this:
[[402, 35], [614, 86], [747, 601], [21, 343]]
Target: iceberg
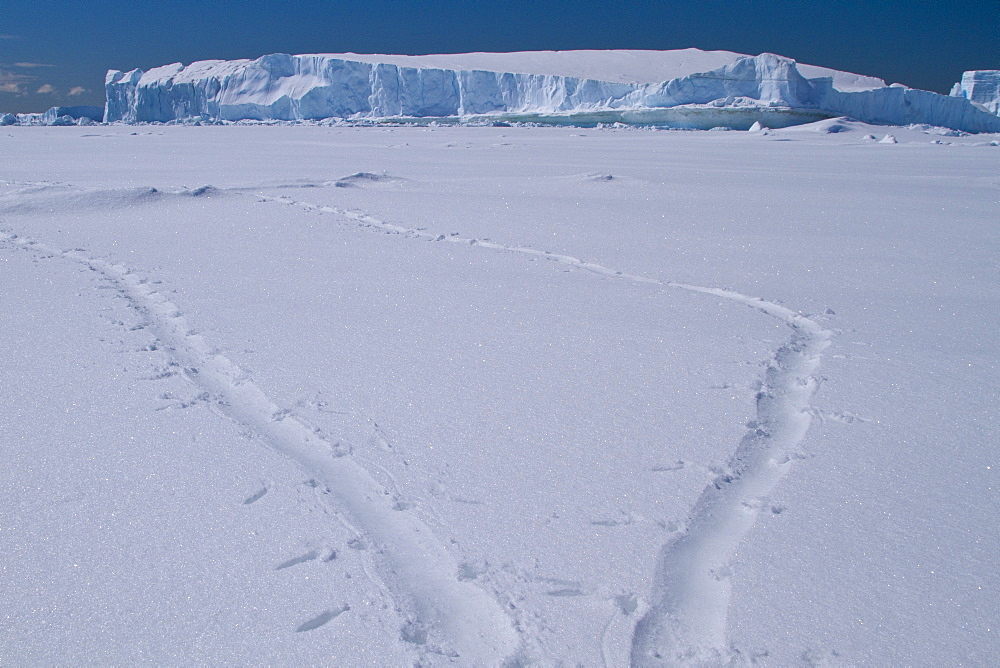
[[767, 88], [981, 87], [75, 115]]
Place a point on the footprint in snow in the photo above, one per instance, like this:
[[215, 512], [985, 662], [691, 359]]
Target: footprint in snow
[[295, 561], [359, 179], [323, 618], [676, 466], [256, 496]]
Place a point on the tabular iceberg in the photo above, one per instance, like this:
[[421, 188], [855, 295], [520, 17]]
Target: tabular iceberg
[[981, 87], [311, 87]]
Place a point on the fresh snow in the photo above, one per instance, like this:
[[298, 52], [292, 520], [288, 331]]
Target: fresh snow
[[499, 396]]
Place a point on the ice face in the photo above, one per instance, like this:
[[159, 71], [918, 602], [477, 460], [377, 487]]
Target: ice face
[[75, 115], [310, 87], [981, 87]]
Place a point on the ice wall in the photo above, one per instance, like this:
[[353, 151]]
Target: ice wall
[[981, 87], [285, 87], [76, 115], [899, 105]]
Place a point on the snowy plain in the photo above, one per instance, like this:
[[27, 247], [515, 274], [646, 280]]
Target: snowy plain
[[474, 396]]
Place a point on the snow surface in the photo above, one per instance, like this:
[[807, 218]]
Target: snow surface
[[461, 396], [767, 88]]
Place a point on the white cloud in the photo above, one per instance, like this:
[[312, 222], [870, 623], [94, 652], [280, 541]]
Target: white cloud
[[46, 88], [10, 37], [77, 90], [13, 83], [28, 65]]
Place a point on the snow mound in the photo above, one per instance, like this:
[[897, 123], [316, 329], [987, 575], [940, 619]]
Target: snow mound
[[834, 126], [280, 87]]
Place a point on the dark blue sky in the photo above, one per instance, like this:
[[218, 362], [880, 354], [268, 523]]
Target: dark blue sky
[[63, 48]]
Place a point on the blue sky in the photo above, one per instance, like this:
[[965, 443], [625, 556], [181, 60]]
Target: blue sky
[[57, 52]]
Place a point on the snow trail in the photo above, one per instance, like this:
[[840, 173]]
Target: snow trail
[[446, 616], [685, 622]]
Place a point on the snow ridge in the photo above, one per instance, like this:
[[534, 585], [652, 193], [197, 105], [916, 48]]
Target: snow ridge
[[685, 622], [446, 616]]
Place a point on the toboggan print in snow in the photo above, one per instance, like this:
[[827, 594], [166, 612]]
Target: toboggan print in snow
[[686, 617], [585, 449], [684, 620], [448, 616]]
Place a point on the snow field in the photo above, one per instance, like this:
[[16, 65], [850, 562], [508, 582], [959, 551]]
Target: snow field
[[403, 311]]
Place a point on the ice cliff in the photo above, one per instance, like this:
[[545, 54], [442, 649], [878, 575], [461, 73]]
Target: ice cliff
[[981, 87], [284, 87], [77, 115]]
